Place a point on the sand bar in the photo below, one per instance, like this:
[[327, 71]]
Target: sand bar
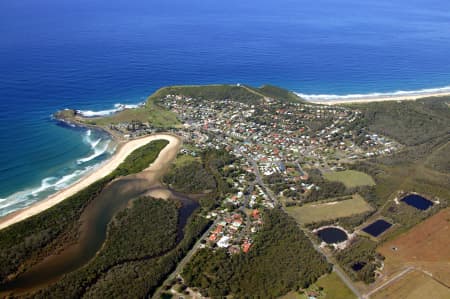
[[106, 168], [378, 98]]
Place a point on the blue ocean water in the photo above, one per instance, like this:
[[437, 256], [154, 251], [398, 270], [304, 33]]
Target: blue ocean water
[[92, 54]]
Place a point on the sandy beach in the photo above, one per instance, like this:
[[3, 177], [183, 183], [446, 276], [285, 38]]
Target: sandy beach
[[106, 168], [380, 98]]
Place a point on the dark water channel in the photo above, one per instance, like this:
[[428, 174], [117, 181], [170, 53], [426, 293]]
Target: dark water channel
[[94, 224]]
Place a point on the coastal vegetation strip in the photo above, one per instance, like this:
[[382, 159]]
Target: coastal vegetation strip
[[411, 123], [28, 241]]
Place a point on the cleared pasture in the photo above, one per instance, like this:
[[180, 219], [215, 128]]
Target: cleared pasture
[[350, 178], [315, 212]]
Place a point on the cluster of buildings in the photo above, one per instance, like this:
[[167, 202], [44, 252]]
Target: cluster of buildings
[[132, 129], [280, 137], [234, 230], [275, 130], [272, 138]]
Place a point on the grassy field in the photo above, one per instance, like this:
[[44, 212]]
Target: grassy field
[[154, 114], [350, 178], [426, 246], [329, 286], [315, 212], [334, 288], [414, 285]]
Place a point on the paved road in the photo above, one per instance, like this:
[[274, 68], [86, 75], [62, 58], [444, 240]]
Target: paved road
[[336, 268], [341, 273], [396, 277], [184, 261], [260, 182], [347, 280]]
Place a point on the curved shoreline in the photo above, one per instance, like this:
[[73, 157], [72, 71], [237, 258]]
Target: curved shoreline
[[332, 100], [123, 150]]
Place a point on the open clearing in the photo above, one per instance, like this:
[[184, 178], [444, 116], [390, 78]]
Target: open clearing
[[314, 212], [414, 285], [350, 178], [425, 246], [334, 287]]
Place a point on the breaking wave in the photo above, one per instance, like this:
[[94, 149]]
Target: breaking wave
[[117, 108], [399, 93], [100, 145], [98, 151], [48, 186]]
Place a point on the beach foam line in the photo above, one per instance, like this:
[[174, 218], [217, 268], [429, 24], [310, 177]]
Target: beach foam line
[[124, 150], [99, 146], [117, 108], [29, 196], [99, 150], [376, 96]]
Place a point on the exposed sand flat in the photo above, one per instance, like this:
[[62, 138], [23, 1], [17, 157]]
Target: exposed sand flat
[[382, 98], [124, 149]]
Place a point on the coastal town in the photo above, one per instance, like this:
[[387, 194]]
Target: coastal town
[[246, 160], [225, 150], [276, 144], [273, 138]]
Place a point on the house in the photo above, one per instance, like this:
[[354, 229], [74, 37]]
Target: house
[[212, 237], [224, 242], [218, 229], [246, 247], [237, 223], [255, 214]]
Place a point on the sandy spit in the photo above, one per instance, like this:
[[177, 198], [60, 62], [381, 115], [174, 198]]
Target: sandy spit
[[106, 168]]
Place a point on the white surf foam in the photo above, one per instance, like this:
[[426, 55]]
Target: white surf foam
[[117, 108], [99, 149], [48, 185], [399, 93]]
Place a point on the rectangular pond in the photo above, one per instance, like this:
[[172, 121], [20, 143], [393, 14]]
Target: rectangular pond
[[377, 228], [417, 201]]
